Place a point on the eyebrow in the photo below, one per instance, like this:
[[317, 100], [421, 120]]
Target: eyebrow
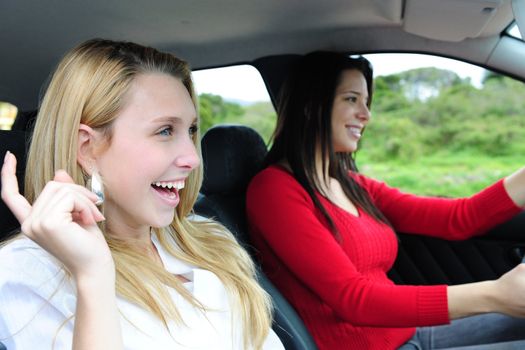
[[173, 119], [350, 91]]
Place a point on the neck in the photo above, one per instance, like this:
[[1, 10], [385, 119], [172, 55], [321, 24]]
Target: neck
[[139, 235], [139, 238], [322, 172]]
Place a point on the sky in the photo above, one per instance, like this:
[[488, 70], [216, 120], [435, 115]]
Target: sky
[[244, 83]]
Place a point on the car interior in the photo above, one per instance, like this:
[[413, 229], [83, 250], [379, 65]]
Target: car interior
[[271, 35]]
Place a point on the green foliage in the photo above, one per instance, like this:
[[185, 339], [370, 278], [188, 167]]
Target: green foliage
[[388, 95], [214, 110], [393, 138], [442, 174], [452, 142]]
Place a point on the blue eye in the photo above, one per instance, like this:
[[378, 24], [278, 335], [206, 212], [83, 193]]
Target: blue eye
[[193, 129], [167, 131]]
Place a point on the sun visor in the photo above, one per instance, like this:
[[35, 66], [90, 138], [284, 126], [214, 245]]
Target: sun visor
[[463, 18]]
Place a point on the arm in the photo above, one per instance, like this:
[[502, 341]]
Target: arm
[[446, 218], [97, 323], [505, 295], [63, 221], [458, 219], [515, 187]]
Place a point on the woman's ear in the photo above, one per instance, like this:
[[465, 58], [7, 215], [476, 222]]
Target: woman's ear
[[86, 147]]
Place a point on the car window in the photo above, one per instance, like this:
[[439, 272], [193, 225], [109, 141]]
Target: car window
[[8, 113], [441, 127], [234, 95], [514, 31]]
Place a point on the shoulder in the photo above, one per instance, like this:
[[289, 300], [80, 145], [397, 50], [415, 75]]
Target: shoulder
[[273, 177], [276, 190], [275, 185]]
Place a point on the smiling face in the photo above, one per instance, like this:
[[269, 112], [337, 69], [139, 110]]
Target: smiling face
[[350, 112], [150, 154]]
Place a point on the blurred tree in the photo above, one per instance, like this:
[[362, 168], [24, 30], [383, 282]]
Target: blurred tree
[[214, 110], [427, 110], [423, 83]]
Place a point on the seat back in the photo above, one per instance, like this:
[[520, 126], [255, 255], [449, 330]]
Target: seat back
[[25, 120], [15, 142], [232, 155]]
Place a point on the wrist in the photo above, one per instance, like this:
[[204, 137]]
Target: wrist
[[472, 299], [103, 280], [489, 297]]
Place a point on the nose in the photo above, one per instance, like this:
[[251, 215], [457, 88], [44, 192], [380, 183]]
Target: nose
[[187, 156], [364, 113]]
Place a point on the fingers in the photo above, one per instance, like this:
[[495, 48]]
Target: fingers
[[57, 208], [68, 198], [10, 192], [61, 199], [63, 176]]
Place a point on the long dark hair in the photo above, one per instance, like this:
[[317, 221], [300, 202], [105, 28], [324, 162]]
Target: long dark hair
[[304, 120]]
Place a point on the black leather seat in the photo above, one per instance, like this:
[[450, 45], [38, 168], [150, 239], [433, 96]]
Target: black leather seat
[[232, 155], [15, 142], [25, 120]]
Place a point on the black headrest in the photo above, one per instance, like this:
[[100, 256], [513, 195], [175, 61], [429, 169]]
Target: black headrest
[[232, 155], [25, 120], [15, 142]]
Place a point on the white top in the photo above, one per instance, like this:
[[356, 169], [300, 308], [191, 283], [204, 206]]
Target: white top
[[37, 302]]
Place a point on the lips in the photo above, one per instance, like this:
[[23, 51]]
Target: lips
[[356, 131], [168, 191], [177, 184]]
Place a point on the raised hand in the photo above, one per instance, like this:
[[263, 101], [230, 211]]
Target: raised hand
[[62, 220]]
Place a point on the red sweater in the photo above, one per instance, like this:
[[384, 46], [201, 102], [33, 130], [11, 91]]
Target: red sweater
[[341, 290]]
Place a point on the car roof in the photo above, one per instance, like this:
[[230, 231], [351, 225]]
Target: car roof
[[209, 33]]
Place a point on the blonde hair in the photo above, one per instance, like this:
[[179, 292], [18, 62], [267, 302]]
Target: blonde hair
[[89, 86]]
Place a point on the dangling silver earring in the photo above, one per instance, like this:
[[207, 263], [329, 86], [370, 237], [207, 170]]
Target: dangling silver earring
[[96, 186]]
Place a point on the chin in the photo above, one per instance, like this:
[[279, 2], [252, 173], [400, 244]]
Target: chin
[[163, 221], [347, 149]]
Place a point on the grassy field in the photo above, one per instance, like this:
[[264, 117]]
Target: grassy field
[[450, 175]]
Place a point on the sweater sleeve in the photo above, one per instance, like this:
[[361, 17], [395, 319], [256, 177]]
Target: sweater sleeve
[[453, 219], [282, 214]]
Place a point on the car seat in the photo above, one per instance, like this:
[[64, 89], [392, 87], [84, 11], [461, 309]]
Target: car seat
[[25, 120], [15, 142], [232, 155]]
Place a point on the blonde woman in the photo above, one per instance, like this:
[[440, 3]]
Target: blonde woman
[[123, 265]]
